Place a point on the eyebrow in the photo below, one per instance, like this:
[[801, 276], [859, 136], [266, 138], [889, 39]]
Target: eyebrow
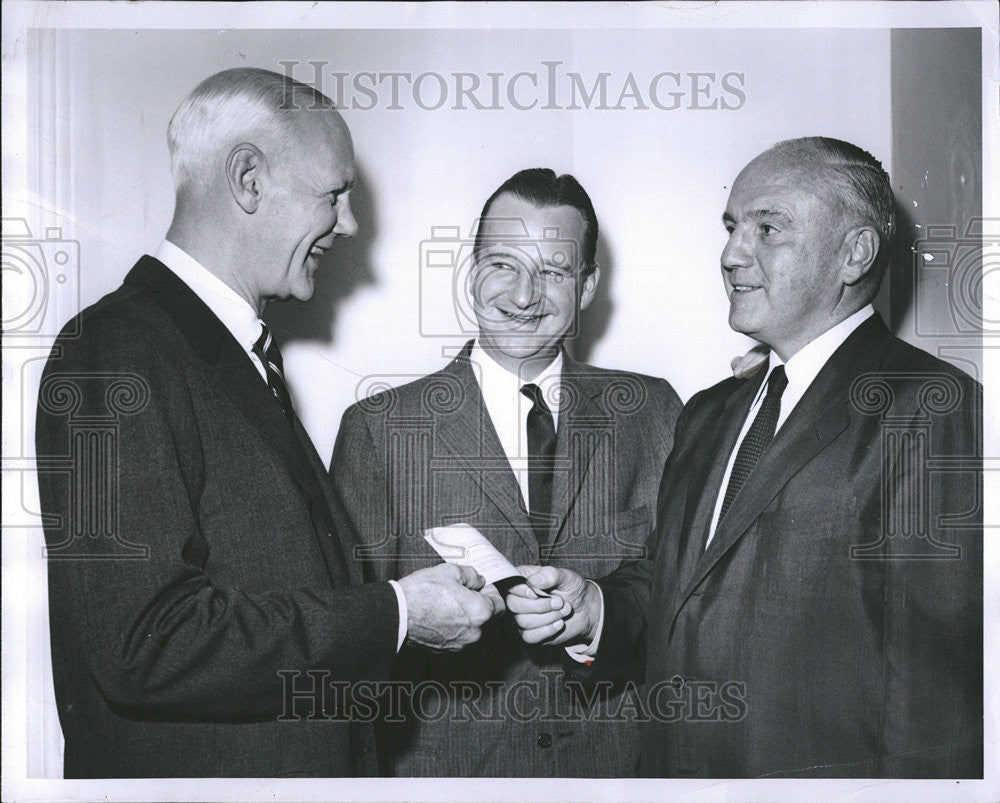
[[765, 212], [548, 263], [503, 250], [758, 214]]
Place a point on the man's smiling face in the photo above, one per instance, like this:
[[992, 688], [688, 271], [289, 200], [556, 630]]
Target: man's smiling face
[[528, 291], [310, 204]]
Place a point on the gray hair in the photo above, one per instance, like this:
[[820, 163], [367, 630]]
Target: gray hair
[[243, 104], [857, 182]]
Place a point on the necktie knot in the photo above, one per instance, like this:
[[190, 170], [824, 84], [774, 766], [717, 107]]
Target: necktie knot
[[777, 381], [534, 393], [266, 349], [267, 352]]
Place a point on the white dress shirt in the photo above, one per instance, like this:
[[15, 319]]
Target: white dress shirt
[[508, 408], [242, 322], [801, 369]]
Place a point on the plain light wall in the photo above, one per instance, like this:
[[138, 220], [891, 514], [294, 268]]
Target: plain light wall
[[658, 178]]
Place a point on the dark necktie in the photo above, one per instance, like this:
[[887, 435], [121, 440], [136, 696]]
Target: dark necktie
[[541, 456], [757, 438], [267, 351]]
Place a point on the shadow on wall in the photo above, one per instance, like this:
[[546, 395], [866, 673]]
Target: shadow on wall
[[595, 319], [345, 268], [895, 297]]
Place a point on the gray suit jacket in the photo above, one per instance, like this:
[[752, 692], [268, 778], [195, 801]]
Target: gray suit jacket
[[425, 455], [196, 562]]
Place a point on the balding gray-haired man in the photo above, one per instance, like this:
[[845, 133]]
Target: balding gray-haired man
[[813, 603]]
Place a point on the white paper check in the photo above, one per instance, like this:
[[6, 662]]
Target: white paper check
[[463, 544]]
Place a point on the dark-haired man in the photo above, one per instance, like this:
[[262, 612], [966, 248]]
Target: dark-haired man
[[548, 458], [813, 604]]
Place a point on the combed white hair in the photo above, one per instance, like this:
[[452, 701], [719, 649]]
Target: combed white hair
[[240, 105]]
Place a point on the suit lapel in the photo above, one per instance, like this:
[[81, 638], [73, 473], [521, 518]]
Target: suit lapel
[[708, 465], [467, 438], [578, 435], [819, 417], [237, 376]]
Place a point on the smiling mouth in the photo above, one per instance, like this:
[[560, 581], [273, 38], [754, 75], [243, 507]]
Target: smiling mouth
[[744, 288], [317, 251], [520, 317]]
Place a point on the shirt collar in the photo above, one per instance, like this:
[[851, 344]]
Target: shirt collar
[[804, 366], [228, 306], [496, 382]]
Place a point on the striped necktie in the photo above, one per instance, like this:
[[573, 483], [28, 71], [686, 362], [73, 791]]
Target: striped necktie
[[267, 351], [757, 438]]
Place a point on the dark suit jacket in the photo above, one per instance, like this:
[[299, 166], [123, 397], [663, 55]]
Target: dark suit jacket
[[833, 627], [426, 455], [195, 554]]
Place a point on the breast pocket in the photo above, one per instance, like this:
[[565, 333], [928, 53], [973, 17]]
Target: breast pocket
[[631, 527], [599, 545]]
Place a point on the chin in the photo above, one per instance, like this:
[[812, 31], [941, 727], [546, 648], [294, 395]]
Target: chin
[[525, 349], [740, 323], [305, 292]]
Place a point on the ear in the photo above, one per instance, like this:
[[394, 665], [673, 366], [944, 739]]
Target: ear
[[244, 168], [589, 289], [860, 251]]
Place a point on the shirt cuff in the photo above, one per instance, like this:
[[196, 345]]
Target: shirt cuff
[[401, 601], [585, 653]]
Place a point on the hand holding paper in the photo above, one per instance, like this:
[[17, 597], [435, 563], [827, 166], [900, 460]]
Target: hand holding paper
[[575, 619], [444, 611], [464, 545]]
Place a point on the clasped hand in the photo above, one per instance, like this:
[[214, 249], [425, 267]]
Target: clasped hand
[[445, 610], [556, 606]]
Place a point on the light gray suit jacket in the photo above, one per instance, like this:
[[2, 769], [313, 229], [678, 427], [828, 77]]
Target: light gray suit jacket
[[426, 455]]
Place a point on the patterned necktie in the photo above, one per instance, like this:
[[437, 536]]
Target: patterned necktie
[[541, 456], [757, 438], [267, 351]]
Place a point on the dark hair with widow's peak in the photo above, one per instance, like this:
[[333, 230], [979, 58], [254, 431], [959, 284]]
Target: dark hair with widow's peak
[[542, 187]]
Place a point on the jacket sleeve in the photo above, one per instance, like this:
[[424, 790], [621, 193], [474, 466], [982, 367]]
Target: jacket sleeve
[[621, 653], [359, 476], [163, 639], [932, 720]]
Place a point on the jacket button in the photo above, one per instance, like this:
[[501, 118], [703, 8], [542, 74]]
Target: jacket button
[[545, 740], [364, 750]]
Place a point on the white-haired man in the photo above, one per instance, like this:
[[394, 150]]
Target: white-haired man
[[230, 646]]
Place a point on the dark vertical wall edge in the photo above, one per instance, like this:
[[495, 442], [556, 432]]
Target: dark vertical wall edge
[[933, 293]]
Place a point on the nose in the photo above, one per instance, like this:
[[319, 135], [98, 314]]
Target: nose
[[524, 290], [346, 226], [736, 254]]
